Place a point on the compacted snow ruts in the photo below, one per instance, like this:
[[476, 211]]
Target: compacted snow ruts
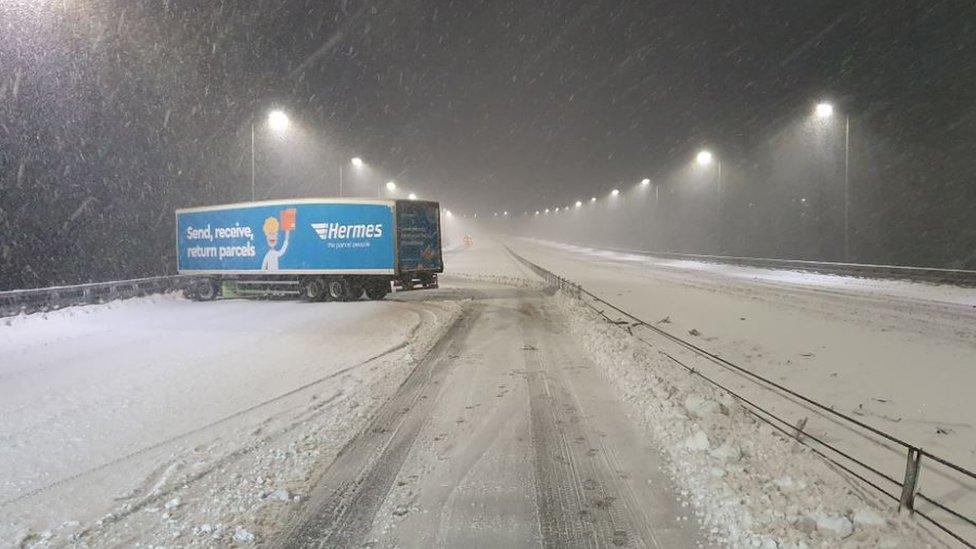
[[507, 436]]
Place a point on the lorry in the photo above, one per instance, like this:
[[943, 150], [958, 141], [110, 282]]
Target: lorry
[[322, 249]]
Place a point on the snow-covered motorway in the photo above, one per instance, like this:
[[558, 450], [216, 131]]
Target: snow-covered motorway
[[901, 355], [489, 412], [110, 411], [896, 355]]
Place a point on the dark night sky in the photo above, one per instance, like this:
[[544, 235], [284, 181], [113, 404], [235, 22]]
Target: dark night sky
[[500, 103], [113, 113]]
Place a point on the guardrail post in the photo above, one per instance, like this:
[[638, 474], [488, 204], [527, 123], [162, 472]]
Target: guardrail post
[[910, 485]]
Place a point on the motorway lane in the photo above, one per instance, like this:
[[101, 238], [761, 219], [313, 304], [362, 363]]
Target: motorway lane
[[506, 436]]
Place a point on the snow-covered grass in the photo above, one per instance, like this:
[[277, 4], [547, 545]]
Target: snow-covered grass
[[165, 421], [751, 485]]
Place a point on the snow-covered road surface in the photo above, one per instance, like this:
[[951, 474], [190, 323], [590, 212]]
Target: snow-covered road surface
[[900, 355], [507, 436], [106, 409], [488, 412], [896, 355]]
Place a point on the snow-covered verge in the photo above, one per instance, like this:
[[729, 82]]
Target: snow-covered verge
[[198, 441], [750, 485], [961, 297]]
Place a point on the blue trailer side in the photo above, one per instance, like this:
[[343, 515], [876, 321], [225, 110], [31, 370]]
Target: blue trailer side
[[318, 248]]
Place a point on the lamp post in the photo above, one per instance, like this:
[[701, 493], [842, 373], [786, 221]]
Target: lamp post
[[823, 111], [278, 121], [356, 163], [706, 158], [390, 186]]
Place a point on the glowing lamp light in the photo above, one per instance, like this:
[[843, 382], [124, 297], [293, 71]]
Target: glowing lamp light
[[645, 182], [579, 203], [824, 110], [614, 192], [412, 196], [704, 158], [391, 185], [278, 121], [592, 199], [357, 162]]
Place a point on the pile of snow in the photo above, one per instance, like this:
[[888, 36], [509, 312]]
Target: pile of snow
[[750, 485]]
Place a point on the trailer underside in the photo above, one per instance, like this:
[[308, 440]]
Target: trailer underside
[[310, 287]]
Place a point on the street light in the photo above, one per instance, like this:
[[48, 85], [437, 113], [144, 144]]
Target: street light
[[614, 192], [704, 158], [592, 199], [823, 111], [278, 122], [645, 182], [579, 203], [412, 196], [356, 163]]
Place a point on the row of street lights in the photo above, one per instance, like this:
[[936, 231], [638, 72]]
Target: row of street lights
[[705, 158], [279, 123]]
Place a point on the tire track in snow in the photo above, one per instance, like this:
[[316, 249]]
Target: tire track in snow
[[342, 506]]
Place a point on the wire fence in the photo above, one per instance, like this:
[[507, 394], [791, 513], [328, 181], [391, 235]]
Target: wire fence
[[906, 491]]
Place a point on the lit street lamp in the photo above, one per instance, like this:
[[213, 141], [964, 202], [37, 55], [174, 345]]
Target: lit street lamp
[[357, 163], [823, 111], [390, 186], [278, 122], [614, 192], [412, 196], [645, 182], [705, 158]]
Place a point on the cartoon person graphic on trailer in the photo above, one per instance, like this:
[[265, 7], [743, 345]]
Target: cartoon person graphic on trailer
[[271, 227]]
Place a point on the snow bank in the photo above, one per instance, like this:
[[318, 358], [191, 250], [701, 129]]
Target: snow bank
[[750, 485]]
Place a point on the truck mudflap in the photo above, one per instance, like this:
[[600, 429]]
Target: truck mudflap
[[415, 281]]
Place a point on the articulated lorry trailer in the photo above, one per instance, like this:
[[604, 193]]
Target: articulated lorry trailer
[[319, 248]]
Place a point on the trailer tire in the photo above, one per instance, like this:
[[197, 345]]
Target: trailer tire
[[377, 289], [339, 289], [207, 290], [314, 290], [355, 290]]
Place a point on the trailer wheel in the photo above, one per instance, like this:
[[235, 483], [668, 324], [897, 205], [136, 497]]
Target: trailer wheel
[[377, 290], [314, 290], [339, 289], [207, 290], [355, 290]]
